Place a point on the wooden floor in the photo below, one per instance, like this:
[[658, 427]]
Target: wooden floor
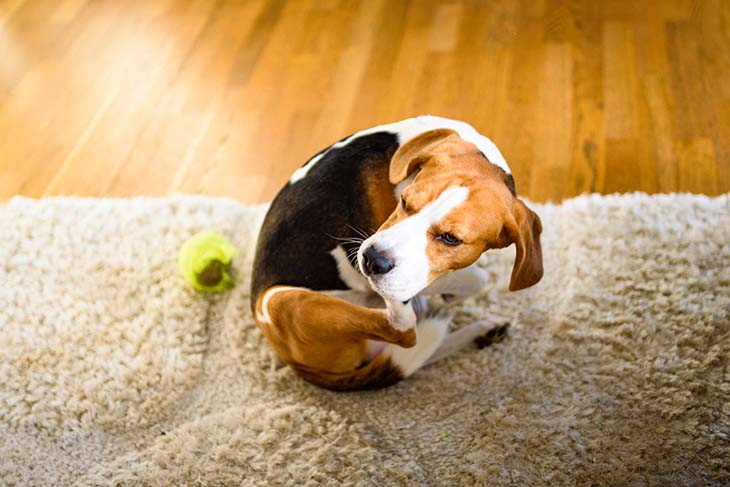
[[226, 98]]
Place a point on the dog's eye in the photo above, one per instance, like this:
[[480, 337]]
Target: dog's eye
[[449, 239], [402, 202]]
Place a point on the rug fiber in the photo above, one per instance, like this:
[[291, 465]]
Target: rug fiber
[[114, 372]]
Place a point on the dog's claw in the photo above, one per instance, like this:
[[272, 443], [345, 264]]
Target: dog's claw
[[494, 335], [420, 307], [440, 313]]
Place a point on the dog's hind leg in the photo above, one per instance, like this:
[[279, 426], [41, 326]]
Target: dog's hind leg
[[482, 333], [311, 328], [368, 299]]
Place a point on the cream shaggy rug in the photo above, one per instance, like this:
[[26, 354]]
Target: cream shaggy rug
[[113, 372]]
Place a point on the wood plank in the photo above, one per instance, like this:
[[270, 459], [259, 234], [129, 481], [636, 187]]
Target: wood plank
[[55, 103], [189, 95], [555, 114], [621, 99], [113, 98], [588, 152]]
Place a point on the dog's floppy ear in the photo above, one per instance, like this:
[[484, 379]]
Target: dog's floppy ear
[[415, 152], [525, 231]]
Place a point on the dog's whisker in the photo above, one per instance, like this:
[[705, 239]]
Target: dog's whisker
[[346, 239], [355, 229], [359, 231]]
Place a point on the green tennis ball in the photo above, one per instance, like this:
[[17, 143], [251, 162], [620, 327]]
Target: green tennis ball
[[205, 262]]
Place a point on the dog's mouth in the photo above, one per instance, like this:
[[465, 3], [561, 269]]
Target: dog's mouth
[[390, 292]]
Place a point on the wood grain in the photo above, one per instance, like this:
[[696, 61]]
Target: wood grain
[[114, 98]]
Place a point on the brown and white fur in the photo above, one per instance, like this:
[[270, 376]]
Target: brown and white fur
[[440, 195]]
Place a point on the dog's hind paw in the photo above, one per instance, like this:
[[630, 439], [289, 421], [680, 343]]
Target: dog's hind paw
[[495, 334]]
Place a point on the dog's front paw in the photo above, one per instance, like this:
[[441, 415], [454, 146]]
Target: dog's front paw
[[401, 316], [494, 333]]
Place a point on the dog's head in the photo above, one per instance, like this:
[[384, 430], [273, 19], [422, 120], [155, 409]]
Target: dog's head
[[457, 206]]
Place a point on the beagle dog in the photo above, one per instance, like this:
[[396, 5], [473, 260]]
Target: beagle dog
[[343, 307]]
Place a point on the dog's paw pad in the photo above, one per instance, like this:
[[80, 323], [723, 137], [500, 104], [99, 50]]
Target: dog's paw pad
[[494, 335]]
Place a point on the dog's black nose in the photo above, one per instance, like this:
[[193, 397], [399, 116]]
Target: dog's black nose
[[375, 263]]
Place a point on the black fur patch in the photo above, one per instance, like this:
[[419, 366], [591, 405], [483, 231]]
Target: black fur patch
[[297, 234]]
